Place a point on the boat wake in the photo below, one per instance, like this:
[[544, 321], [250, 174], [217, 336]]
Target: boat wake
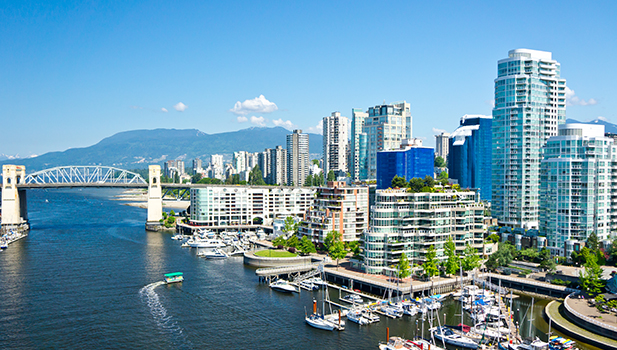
[[162, 319]]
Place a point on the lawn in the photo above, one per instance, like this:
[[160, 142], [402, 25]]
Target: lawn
[[269, 253]]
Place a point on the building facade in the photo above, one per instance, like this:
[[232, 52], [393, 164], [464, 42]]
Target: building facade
[[335, 143], [404, 222], [408, 162], [357, 161], [297, 158], [221, 205], [278, 166], [576, 186], [470, 160], [386, 127], [530, 103], [337, 207], [171, 168], [442, 145]]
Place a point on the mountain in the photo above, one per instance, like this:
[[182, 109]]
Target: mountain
[[139, 148], [608, 127]]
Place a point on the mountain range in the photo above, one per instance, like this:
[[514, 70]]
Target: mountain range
[[137, 149], [608, 127]]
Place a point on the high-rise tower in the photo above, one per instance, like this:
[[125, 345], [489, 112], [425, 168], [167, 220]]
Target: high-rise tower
[[357, 160], [530, 103], [297, 158], [335, 143]]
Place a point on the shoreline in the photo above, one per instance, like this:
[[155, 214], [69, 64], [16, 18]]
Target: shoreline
[[139, 198]]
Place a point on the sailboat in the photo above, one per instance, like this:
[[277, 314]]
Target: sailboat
[[322, 321]]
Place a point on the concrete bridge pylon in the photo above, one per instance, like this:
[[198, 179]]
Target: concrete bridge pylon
[[155, 198], [14, 203]]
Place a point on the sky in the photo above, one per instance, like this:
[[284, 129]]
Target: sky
[[74, 73]]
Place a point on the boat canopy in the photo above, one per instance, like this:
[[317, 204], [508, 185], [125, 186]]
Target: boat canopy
[[173, 274]]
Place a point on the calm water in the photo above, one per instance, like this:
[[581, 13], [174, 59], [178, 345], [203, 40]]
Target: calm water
[[88, 277]]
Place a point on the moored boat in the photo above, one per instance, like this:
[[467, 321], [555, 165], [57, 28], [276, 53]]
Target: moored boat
[[283, 286], [448, 336]]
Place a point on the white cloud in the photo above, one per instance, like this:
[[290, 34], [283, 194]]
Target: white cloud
[[438, 131], [180, 107], [260, 121], [164, 110], [287, 124], [573, 100], [257, 105], [242, 119], [135, 107], [318, 129]]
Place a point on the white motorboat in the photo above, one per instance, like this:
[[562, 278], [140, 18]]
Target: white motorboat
[[283, 286], [308, 285], [392, 311], [216, 253], [356, 315], [410, 310], [177, 237], [448, 336], [4, 244], [352, 299], [396, 343], [317, 281], [370, 316], [197, 242]]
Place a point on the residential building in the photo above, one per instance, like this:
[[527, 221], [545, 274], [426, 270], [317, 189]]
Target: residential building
[[357, 162], [278, 166], [222, 205], [216, 168], [406, 222], [197, 166], [386, 127], [576, 184], [470, 160], [335, 143], [442, 145], [530, 103], [265, 163], [297, 158], [337, 207], [411, 160], [171, 168]]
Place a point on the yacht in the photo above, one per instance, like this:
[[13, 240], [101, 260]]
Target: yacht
[[216, 253], [357, 316], [395, 343], [197, 242], [317, 281], [448, 336], [283, 286], [352, 299]]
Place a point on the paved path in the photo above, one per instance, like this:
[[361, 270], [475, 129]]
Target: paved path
[[560, 322], [581, 306]]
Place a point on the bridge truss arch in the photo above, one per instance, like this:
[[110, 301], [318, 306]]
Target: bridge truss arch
[[84, 175]]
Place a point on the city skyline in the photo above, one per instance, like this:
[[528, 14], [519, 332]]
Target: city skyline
[[77, 73]]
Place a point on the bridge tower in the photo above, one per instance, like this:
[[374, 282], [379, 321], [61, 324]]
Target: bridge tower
[[14, 204], [155, 198]]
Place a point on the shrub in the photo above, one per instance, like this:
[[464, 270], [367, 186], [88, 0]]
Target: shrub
[[292, 249], [280, 246]]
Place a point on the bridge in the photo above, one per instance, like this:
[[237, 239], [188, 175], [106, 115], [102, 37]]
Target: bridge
[[15, 182]]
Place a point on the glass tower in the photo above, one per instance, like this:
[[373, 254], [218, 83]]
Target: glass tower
[[530, 103], [470, 158]]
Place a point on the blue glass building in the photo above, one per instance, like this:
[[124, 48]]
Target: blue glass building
[[469, 158], [409, 162]]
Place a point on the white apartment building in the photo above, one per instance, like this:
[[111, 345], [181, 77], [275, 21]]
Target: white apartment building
[[357, 161], [442, 145], [530, 103], [576, 180], [335, 143], [222, 205], [405, 222], [278, 166], [297, 158], [337, 207]]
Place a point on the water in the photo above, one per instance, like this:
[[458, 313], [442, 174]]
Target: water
[[89, 276]]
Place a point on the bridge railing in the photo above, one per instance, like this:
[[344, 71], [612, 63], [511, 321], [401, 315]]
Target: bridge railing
[[84, 175]]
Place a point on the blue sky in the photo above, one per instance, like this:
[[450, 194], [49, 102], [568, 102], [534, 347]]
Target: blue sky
[[74, 73]]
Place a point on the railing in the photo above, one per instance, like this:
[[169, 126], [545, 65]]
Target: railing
[[586, 318]]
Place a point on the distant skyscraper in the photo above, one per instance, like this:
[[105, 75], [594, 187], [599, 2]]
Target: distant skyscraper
[[386, 126], [575, 186], [358, 144], [335, 142], [278, 166], [265, 163], [297, 157], [197, 166], [409, 161], [173, 167], [442, 145], [530, 103], [470, 160]]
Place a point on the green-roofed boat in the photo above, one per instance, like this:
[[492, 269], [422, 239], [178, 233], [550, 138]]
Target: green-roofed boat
[[174, 277]]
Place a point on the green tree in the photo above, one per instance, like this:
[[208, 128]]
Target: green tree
[[318, 179], [337, 251], [354, 247], [306, 246], [429, 181], [443, 175], [279, 241], [453, 260], [493, 237], [308, 181], [331, 176], [529, 254], [590, 278], [256, 177], [331, 238], [471, 260], [398, 182], [402, 268], [430, 265], [502, 257], [439, 162], [292, 241], [315, 161], [290, 225], [592, 241], [195, 178], [416, 184]]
